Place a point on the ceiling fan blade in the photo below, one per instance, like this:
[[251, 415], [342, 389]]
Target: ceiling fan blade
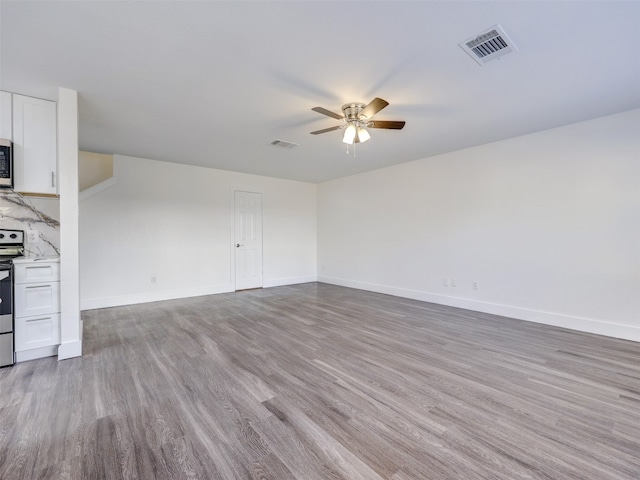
[[328, 113], [325, 130], [374, 107], [392, 124]]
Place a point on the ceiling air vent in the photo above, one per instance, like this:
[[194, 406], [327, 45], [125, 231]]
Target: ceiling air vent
[[486, 46], [283, 144]]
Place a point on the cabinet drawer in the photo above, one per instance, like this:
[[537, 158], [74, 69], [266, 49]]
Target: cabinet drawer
[[37, 299], [38, 331], [37, 272]]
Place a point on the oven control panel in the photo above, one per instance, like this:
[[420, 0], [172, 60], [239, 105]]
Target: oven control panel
[[11, 237]]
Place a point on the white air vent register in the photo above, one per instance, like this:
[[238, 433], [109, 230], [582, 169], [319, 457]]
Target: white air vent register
[[283, 144], [488, 45]]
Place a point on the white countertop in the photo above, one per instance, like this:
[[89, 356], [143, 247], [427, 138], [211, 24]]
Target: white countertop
[[29, 259]]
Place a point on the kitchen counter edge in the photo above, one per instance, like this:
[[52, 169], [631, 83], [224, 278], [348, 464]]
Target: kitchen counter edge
[[36, 259]]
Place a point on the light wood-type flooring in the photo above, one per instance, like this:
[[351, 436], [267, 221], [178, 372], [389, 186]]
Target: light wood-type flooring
[[318, 382]]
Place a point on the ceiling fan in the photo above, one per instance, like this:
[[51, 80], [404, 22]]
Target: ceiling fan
[[357, 118]]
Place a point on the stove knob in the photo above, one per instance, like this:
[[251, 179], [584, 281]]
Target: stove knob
[[1, 236], [13, 235]]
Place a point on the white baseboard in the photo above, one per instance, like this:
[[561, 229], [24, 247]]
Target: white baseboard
[[279, 282], [146, 297], [588, 325], [70, 350]]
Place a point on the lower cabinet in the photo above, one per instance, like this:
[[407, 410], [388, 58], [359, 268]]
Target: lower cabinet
[[37, 310], [37, 332]]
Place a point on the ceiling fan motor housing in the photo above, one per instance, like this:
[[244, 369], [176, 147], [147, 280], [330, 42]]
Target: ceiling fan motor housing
[[352, 110], [351, 113]]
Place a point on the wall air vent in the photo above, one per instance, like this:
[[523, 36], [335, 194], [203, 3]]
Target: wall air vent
[[488, 45], [283, 144]]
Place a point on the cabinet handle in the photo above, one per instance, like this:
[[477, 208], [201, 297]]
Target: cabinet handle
[[39, 286], [37, 319], [53, 179]]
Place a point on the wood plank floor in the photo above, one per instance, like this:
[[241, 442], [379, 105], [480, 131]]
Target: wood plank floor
[[318, 382]]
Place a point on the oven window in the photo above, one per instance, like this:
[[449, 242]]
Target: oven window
[[6, 296]]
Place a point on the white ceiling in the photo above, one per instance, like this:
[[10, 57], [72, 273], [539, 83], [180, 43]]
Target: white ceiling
[[213, 83]]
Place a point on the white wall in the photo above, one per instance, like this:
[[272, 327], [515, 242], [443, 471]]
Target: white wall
[[174, 222], [547, 223]]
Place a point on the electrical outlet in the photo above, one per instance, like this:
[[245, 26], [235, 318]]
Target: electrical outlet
[[153, 279], [476, 285], [453, 282], [445, 282], [33, 236]]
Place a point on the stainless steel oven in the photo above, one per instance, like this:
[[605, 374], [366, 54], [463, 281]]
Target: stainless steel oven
[[11, 246], [6, 164], [6, 315]]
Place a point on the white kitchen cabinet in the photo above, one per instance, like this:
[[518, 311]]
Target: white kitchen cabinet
[[37, 336], [36, 271], [35, 156], [6, 123], [37, 298], [37, 309]]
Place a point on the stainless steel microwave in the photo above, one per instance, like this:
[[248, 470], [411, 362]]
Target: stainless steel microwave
[[6, 164]]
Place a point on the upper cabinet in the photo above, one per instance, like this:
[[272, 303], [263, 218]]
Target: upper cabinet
[[31, 123], [35, 145]]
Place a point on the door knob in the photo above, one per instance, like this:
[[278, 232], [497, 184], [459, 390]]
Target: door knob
[[238, 245]]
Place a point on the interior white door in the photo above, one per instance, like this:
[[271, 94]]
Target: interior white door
[[248, 240]]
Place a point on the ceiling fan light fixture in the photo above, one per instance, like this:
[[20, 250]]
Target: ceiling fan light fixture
[[363, 134], [349, 134], [357, 118]]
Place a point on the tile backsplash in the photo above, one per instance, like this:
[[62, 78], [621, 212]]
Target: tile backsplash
[[42, 214]]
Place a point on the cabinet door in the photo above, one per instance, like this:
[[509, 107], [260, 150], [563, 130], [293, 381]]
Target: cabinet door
[[34, 145], [6, 128], [36, 332], [34, 272], [37, 299]]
